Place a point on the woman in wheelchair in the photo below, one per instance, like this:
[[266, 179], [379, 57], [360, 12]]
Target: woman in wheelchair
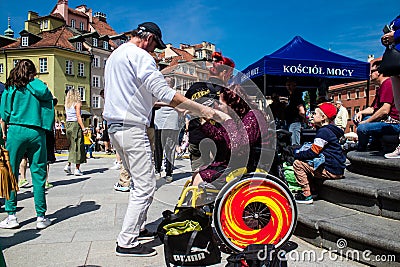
[[237, 132], [245, 206]]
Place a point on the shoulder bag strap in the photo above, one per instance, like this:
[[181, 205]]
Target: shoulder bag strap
[[190, 244]]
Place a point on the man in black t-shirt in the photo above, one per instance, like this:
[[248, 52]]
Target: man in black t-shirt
[[295, 112]]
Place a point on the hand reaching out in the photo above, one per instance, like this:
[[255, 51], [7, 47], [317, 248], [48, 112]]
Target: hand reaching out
[[387, 38]]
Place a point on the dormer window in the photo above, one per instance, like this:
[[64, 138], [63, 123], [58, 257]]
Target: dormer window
[[79, 46], [44, 24], [95, 42], [81, 26], [105, 45], [24, 41], [73, 22]]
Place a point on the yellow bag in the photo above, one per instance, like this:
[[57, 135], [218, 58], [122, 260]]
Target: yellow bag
[[8, 182]]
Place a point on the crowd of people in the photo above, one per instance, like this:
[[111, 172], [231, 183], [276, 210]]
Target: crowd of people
[[142, 112]]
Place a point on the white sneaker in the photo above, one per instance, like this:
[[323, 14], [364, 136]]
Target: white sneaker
[[78, 172], [394, 155], [8, 223], [117, 166], [168, 179], [67, 169], [42, 222], [121, 188]]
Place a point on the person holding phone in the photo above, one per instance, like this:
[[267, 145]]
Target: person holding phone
[[392, 37]]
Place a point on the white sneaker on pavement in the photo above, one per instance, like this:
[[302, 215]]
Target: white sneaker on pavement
[[121, 188], [67, 169], [394, 155], [42, 222], [78, 172], [168, 179], [117, 166], [9, 223]]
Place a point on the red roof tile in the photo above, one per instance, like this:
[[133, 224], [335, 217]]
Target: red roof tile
[[76, 12], [58, 37], [103, 28]]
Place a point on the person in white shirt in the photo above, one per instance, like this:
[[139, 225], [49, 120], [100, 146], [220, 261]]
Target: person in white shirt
[[342, 115], [132, 85]]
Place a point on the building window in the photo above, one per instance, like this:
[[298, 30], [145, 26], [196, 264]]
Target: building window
[[96, 81], [15, 62], [79, 46], [95, 42], [69, 67], [42, 65], [349, 112], [96, 62], [339, 96], [24, 41], [105, 45], [104, 62], [44, 24], [1, 68], [357, 94], [81, 91], [69, 87], [73, 23], [349, 95], [365, 92], [199, 54], [96, 102], [82, 26], [356, 109], [81, 69]]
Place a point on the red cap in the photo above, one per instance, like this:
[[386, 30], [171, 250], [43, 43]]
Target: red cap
[[329, 110]]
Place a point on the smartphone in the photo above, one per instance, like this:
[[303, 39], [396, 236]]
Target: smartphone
[[386, 29]]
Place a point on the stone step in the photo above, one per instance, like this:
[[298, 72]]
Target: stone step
[[363, 193], [349, 232], [373, 164]]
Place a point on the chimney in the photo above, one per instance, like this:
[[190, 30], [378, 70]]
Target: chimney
[[101, 16], [62, 8]]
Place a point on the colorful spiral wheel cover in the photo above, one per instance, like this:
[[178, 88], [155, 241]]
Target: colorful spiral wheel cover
[[257, 209]]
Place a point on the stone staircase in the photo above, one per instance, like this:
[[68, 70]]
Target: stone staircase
[[358, 216]]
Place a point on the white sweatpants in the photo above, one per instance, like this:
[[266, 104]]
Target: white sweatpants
[[134, 148]]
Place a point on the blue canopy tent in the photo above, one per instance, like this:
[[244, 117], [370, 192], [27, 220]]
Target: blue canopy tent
[[309, 65]]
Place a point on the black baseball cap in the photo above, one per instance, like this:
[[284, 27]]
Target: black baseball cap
[[154, 29]]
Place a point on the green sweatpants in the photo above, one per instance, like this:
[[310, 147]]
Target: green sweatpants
[[21, 139]]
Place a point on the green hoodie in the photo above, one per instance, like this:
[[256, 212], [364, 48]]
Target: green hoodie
[[30, 106]]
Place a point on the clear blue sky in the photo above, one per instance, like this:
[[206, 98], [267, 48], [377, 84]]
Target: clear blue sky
[[242, 30]]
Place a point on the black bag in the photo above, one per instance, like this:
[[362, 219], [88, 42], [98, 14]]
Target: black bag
[[190, 248], [390, 65]]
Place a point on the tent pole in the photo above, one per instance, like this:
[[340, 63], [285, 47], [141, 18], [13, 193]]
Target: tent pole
[[265, 86], [367, 95]]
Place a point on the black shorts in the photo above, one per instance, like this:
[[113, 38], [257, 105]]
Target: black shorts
[[105, 137]]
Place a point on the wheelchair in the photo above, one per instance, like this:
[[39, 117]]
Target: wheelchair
[[246, 208]]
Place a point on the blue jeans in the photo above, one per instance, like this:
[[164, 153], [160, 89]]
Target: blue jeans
[[295, 129], [89, 148], [374, 130]]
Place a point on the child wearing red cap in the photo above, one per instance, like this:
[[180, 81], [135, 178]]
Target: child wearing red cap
[[326, 143]]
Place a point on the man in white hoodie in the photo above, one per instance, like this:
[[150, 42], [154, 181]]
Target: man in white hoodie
[[132, 84]]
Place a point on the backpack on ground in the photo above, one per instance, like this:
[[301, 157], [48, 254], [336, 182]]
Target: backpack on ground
[[188, 238]]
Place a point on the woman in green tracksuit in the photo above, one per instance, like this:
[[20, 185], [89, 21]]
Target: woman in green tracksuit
[[27, 108]]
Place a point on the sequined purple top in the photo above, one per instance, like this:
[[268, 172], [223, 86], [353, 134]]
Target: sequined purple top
[[234, 141]]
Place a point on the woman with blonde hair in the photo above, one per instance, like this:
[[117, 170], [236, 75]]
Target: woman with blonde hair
[[75, 129]]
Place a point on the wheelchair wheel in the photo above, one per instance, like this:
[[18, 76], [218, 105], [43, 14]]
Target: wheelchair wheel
[[256, 209]]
